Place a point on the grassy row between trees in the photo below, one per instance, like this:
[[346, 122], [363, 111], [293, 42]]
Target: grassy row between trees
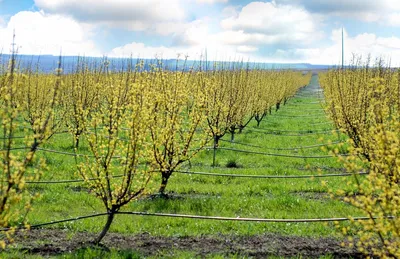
[[136, 123]]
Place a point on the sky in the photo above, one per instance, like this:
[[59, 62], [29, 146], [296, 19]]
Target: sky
[[275, 31]]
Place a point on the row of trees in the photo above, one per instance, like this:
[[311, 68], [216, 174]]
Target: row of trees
[[364, 102], [139, 123]]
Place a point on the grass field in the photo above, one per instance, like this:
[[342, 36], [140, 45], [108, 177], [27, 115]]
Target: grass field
[[298, 130]]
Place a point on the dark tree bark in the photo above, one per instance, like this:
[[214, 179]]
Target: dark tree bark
[[106, 227]]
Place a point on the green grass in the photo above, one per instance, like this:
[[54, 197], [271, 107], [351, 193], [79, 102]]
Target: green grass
[[216, 196]]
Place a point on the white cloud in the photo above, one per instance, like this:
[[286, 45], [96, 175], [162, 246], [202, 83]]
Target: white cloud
[[39, 33], [116, 10], [211, 1], [2, 21], [138, 49], [135, 15], [364, 44], [393, 19], [216, 52], [271, 23], [364, 10], [245, 49], [270, 18], [230, 11]]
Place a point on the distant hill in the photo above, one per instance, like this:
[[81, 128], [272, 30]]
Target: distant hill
[[48, 64]]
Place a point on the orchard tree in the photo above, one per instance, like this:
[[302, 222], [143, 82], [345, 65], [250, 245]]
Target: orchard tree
[[117, 137]]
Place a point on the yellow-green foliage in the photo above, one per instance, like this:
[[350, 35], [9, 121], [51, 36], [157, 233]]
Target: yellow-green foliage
[[117, 136], [81, 98], [349, 93], [16, 155], [136, 122], [236, 96], [364, 103], [177, 126]]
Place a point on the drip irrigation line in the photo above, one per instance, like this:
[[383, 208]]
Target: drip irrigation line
[[278, 155], [210, 174], [270, 176], [72, 181], [328, 132], [68, 220], [15, 148], [292, 148], [22, 137], [302, 103], [309, 97], [242, 219], [61, 132], [237, 143], [297, 116], [200, 217], [292, 114], [310, 94], [322, 123], [306, 132], [12, 137], [291, 108], [306, 92], [70, 154], [59, 221]]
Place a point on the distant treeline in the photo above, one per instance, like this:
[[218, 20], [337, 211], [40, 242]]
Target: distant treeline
[[48, 63]]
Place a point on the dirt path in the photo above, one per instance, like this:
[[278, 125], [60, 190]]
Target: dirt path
[[55, 242]]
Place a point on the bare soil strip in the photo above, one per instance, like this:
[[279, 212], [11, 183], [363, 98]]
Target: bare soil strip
[[49, 242]]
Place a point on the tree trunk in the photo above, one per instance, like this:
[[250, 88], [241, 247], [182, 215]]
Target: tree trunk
[[278, 105], [258, 123], [216, 140], [106, 227], [164, 181], [258, 118], [76, 142], [232, 135], [77, 135], [242, 126]]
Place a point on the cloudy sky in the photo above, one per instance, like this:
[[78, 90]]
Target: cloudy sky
[[306, 31]]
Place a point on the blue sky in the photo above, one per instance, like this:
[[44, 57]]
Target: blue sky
[[304, 31]]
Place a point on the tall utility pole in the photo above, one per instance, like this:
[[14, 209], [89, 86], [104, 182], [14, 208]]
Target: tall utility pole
[[14, 51], [342, 48]]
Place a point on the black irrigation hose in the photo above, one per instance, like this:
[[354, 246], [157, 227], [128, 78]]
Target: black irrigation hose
[[70, 219], [292, 148], [59, 221], [309, 97], [15, 148], [238, 143], [69, 153], [295, 116], [70, 181], [302, 104], [12, 137], [291, 135], [22, 137], [291, 108], [270, 176], [243, 219], [322, 123], [218, 218], [278, 155], [212, 174], [306, 132]]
